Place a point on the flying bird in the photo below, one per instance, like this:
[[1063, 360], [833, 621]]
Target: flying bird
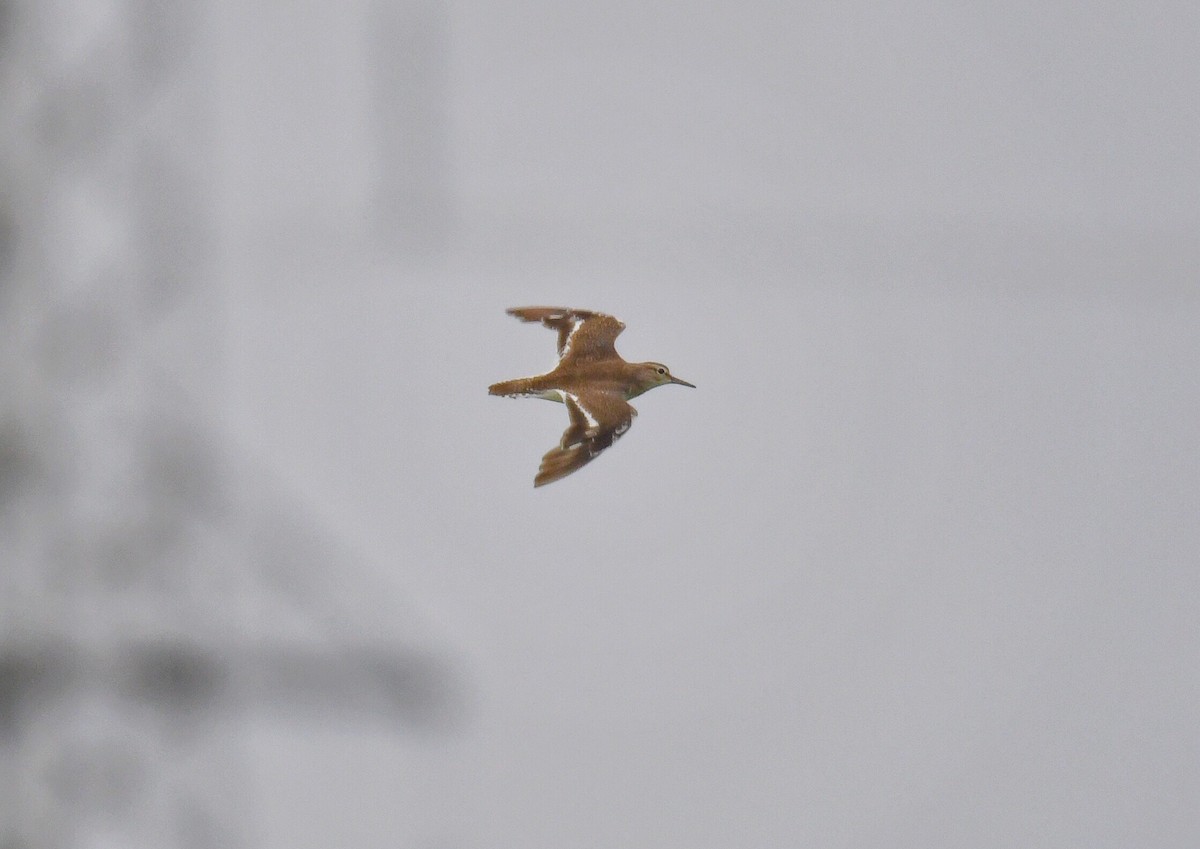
[[592, 380]]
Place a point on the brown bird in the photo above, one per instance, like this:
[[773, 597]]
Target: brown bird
[[591, 379]]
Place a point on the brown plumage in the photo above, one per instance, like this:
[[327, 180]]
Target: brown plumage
[[592, 380]]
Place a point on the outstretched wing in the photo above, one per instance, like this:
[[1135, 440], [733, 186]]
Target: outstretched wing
[[597, 421], [582, 334]]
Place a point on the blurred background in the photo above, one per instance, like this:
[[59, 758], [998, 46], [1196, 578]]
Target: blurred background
[[915, 565]]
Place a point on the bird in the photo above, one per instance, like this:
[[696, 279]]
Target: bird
[[591, 379]]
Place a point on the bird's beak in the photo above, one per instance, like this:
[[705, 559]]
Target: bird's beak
[[675, 379]]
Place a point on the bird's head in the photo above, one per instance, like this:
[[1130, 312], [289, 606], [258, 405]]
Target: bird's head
[[650, 375]]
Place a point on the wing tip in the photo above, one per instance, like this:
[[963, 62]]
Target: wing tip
[[544, 313], [559, 462], [538, 313]]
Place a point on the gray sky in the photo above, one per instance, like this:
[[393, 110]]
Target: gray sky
[[914, 565]]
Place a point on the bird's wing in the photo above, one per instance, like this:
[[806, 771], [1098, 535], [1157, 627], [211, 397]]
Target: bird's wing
[[597, 421], [582, 335]]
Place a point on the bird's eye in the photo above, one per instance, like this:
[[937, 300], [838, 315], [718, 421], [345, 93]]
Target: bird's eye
[[662, 370]]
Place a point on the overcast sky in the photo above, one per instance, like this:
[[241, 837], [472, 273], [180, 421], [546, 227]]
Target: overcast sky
[[914, 565]]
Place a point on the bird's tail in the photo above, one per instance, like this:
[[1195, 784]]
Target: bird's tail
[[520, 386]]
